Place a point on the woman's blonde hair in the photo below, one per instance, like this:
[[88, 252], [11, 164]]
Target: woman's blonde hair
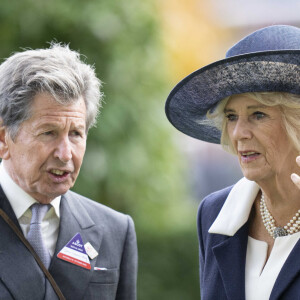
[[288, 103]]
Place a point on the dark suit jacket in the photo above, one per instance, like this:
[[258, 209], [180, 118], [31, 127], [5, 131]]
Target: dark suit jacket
[[111, 233], [223, 259]]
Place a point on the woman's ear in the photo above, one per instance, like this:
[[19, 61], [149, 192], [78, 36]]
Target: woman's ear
[[4, 151]]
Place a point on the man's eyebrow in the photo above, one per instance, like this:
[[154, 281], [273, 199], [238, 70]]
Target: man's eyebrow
[[79, 127], [42, 125]]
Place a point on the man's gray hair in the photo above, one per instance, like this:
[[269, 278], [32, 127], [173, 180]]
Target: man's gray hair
[[57, 71]]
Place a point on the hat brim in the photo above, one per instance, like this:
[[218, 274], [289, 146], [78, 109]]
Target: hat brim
[[191, 98]]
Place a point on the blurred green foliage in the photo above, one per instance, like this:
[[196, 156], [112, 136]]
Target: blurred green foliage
[[131, 163]]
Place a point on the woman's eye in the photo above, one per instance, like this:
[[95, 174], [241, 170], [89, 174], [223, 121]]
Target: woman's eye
[[259, 115], [231, 117]]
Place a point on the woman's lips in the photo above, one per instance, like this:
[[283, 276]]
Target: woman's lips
[[248, 156]]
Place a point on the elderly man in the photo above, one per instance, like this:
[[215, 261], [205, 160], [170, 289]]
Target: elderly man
[[55, 244]]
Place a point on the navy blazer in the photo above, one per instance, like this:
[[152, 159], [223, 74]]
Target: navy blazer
[[223, 259], [111, 233]]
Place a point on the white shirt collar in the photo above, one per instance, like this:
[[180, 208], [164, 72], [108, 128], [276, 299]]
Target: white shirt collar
[[236, 209], [18, 198]]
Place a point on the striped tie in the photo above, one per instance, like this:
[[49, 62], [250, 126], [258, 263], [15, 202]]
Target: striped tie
[[34, 236]]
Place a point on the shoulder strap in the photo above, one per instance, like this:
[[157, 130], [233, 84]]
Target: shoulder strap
[[13, 226]]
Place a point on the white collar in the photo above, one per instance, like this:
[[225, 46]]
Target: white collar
[[18, 198], [236, 209]]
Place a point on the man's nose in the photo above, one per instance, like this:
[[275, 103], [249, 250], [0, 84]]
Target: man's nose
[[63, 150]]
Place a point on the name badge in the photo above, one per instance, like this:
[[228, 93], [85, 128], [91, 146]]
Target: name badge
[[90, 250], [74, 252]]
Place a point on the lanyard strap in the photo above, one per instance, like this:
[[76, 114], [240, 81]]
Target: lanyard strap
[[13, 226]]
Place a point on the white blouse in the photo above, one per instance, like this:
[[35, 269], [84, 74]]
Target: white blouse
[[260, 275]]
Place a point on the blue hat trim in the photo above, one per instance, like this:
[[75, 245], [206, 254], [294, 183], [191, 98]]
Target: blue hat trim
[[267, 60]]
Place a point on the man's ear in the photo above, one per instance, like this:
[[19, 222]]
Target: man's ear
[[4, 151]]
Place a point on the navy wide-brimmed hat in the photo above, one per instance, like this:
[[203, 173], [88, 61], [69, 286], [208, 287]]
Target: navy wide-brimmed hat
[[268, 60]]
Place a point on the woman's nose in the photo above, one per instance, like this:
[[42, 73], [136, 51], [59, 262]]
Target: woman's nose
[[242, 130]]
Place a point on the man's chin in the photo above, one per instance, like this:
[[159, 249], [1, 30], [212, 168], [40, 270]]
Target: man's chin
[[46, 198]]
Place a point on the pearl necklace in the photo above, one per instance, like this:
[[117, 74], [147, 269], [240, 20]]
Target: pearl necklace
[[291, 227]]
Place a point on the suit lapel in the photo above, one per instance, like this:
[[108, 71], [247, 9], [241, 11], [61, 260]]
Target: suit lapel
[[231, 260], [289, 271], [18, 269], [74, 219], [5, 205]]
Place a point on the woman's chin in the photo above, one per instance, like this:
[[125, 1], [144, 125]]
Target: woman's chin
[[253, 175]]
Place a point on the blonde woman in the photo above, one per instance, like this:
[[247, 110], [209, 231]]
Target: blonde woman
[[250, 103]]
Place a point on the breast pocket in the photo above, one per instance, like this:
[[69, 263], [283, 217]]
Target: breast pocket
[[103, 285]]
